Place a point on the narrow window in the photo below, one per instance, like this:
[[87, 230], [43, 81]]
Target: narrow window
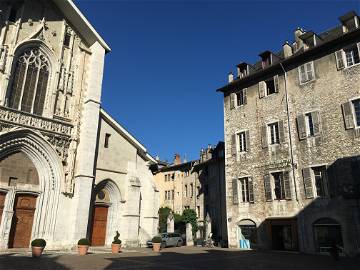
[[352, 55], [279, 188], [191, 190], [244, 182], [242, 142], [270, 87], [198, 211], [356, 104], [309, 125], [240, 97], [186, 191], [172, 194], [274, 133], [67, 39], [306, 72], [107, 139], [320, 181], [13, 14]]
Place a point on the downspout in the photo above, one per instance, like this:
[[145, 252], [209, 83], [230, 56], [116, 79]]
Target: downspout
[[289, 132]]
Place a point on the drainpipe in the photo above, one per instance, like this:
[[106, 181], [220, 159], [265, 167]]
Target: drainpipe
[[289, 132]]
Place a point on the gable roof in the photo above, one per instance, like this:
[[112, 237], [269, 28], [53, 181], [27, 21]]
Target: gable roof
[[73, 14]]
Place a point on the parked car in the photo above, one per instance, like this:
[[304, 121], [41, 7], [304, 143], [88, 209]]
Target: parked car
[[169, 240]]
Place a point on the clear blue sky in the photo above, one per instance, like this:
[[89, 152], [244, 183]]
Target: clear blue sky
[[169, 57]]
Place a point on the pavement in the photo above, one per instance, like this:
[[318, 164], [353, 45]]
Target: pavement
[[182, 258]]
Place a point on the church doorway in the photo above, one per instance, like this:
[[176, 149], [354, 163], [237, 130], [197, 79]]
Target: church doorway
[[22, 222], [98, 235]]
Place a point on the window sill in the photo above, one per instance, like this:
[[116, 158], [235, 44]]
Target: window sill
[[349, 67], [307, 82]]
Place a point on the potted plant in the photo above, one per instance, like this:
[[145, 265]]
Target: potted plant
[[83, 246], [37, 247], [116, 244], [156, 243]]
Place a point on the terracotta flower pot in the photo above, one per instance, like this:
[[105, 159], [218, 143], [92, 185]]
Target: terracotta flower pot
[[156, 247], [82, 249], [37, 251], [115, 248]]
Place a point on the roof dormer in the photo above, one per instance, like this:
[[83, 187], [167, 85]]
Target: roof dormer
[[310, 39], [349, 21], [243, 69], [268, 59]]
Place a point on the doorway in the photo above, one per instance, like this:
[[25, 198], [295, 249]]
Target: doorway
[[99, 224], [22, 221]]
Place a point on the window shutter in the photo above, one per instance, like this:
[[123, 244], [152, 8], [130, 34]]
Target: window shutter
[[281, 132], [267, 187], [276, 83], [301, 126], [251, 190], [287, 185], [309, 193], [262, 89], [339, 60], [348, 115], [310, 70], [316, 122], [264, 139], [232, 100], [302, 74], [247, 138], [235, 191], [245, 95], [233, 145]]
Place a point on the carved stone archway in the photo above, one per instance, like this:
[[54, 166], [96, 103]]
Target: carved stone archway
[[51, 175]]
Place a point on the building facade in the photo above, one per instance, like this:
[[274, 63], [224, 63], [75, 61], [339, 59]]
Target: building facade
[[292, 144], [197, 185], [51, 69]]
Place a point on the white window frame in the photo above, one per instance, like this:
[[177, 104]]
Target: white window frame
[[239, 139], [269, 132], [314, 181], [306, 72], [307, 116], [356, 126], [237, 100], [343, 55], [272, 184], [240, 181]]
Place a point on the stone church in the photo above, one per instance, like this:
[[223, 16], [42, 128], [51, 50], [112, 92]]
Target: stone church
[[68, 170]]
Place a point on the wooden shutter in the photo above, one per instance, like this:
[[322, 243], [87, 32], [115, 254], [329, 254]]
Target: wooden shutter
[[281, 132], [287, 185], [276, 83], [264, 139], [232, 100], [348, 115], [267, 187], [247, 139], [262, 89], [245, 95], [251, 190], [301, 126], [235, 190], [316, 122], [233, 145], [302, 74], [340, 64], [309, 193]]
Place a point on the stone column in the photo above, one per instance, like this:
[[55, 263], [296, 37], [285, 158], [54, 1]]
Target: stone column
[[208, 232], [170, 223], [85, 163], [189, 235]]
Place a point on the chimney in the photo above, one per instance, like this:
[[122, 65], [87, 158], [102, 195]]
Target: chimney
[[299, 42], [157, 158], [231, 77], [177, 159], [287, 49]]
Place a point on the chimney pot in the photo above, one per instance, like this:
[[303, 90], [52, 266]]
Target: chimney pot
[[231, 77], [287, 49]]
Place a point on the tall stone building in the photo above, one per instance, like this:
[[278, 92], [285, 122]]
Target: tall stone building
[[197, 185], [292, 144], [51, 177]]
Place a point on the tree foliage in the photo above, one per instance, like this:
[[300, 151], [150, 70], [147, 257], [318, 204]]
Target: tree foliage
[[163, 214], [189, 216]]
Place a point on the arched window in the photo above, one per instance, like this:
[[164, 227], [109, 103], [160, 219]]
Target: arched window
[[29, 83]]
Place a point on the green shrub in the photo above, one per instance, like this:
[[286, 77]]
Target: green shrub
[[84, 242], [116, 239], [38, 243], [156, 239]]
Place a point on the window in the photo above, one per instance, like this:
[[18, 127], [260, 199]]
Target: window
[[191, 190], [27, 91], [13, 13], [107, 139], [356, 104], [198, 211], [309, 125], [269, 87], [274, 133], [306, 72], [242, 142], [187, 173], [241, 97], [277, 186], [352, 55], [198, 191], [279, 189], [247, 193], [186, 191], [172, 194], [67, 39], [315, 182]]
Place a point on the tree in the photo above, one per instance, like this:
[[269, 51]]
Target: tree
[[163, 214], [189, 216]]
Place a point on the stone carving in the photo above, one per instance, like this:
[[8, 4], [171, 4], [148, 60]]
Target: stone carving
[[189, 235], [170, 222], [3, 55], [14, 117]]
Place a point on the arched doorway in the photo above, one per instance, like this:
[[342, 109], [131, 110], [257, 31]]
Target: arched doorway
[[247, 233], [105, 213], [327, 232]]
